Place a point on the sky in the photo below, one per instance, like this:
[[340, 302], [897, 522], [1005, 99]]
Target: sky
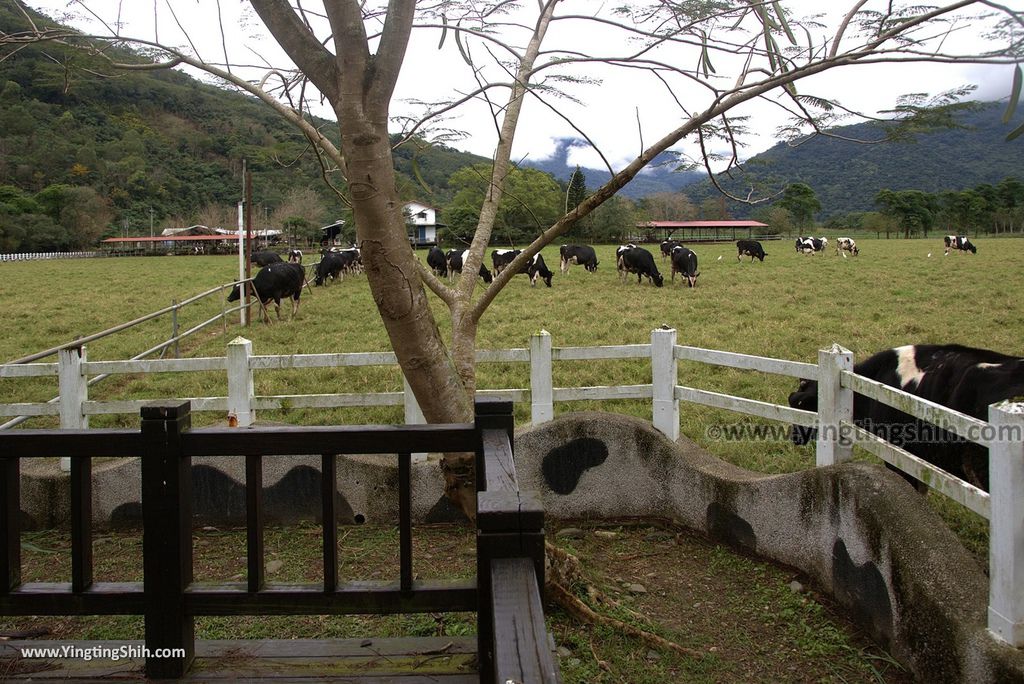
[[621, 110]]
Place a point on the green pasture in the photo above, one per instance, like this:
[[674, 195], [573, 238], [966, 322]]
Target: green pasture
[[788, 307]]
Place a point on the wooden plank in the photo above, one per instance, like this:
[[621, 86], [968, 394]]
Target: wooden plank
[[29, 409], [329, 520], [351, 598], [514, 395], [49, 443], [405, 521], [357, 439], [81, 523], [322, 360], [254, 550], [966, 426], [10, 521], [205, 363], [517, 355], [591, 393], [751, 407], [622, 351], [56, 598], [328, 400], [522, 652], [106, 408], [963, 493], [499, 466], [28, 370], [796, 369]]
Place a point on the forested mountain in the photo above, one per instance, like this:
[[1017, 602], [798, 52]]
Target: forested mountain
[[846, 176], [83, 156]]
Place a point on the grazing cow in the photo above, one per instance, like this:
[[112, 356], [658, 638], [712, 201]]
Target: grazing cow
[[501, 258], [456, 258], [750, 248], [684, 261], [273, 283], [845, 244], [351, 259], [667, 246], [960, 378], [437, 261], [266, 257], [295, 256], [810, 245], [538, 269], [581, 255], [633, 259], [331, 265], [959, 243]]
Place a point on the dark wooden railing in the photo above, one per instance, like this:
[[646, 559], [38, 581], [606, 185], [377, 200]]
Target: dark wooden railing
[[513, 642]]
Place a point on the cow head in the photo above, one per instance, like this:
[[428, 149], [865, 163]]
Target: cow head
[[970, 246], [658, 279], [692, 279], [235, 294], [486, 275], [805, 398]]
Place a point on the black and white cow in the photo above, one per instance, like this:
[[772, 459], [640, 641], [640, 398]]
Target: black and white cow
[[351, 259], [535, 267], [684, 261], [273, 283], [810, 245], [750, 248], [295, 256], [266, 257], [633, 259], [960, 378], [845, 244], [457, 257], [437, 261], [581, 255], [331, 266], [667, 246], [501, 258], [959, 243]]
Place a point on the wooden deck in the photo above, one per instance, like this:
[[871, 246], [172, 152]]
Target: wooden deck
[[445, 660]]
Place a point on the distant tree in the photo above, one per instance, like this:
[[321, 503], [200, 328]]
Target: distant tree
[[912, 210], [801, 202], [610, 222], [532, 200], [667, 206], [303, 203], [778, 218], [577, 191]]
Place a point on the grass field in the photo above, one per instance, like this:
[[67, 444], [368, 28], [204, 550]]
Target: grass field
[[789, 306]]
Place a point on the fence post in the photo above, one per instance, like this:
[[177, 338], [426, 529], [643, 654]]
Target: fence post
[[413, 414], [541, 392], [240, 384], [167, 536], [1006, 523], [665, 406], [835, 404], [74, 391]]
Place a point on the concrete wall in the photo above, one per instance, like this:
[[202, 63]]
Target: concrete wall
[[861, 532]]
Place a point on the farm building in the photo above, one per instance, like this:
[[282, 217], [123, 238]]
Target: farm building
[[422, 222], [701, 231]]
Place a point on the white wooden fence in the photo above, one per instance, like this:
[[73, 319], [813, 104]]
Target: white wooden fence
[[1003, 433], [33, 256]]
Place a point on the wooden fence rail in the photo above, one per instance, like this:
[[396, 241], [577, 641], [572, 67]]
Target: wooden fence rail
[[837, 433], [510, 535]]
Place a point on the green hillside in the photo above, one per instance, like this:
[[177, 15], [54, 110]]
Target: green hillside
[[85, 156], [846, 176]]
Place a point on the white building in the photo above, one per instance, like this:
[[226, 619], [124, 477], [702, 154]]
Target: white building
[[422, 222]]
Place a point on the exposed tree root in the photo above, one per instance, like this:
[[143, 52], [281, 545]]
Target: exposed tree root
[[563, 570]]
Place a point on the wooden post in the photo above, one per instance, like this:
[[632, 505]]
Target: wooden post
[[167, 536], [74, 391], [835, 404], [413, 414], [665, 406], [240, 383], [541, 392], [1006, 523], [10, 523]]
